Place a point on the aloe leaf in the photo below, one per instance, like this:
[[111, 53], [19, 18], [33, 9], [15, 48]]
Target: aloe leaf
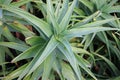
[[88, 4], [31, 64], [8, 34], [63, 10], [28, 77], [58, 68], [57, 10], [65, 21], [37, 73], [42, 25], [21, 28], [48, 64], [47, 51], [97, 23], [66, 49], [34, 40], [6, 2], [80, 50], [112, 2], [89, 38], [87, 19], [20, 3], [13, 45], [50, 12], [40, 57], [67, 72], [109, 5], [100, 4], [30, 52], [79, 32], [113, 9], [79, 11]]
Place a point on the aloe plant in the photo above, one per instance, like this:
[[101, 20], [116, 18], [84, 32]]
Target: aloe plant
[[65, 33]]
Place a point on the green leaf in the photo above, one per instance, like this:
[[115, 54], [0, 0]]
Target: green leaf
[[87, 19], [48, 64], [50, 13], [65, 21], [67, 72], [79, 32], [8, 34], [46, 52], [79, 11], [89, 38], [113, 9], [97, 23], [30, 52], [38, 72], [42, 25], [6, 2], [66, 49], [80, 50], [109, 5], [88, 4], [20, 3], [58, 67], [63, 10], [34, 40], [13, 45], [108, 16], [21, 28], [40, 57]]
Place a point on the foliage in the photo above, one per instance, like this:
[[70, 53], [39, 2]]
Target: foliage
[[69, 39]]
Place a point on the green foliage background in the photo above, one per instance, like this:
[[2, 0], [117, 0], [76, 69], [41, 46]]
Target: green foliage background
[[69, 39]]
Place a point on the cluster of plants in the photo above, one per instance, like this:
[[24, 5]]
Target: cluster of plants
[[59, 39]]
